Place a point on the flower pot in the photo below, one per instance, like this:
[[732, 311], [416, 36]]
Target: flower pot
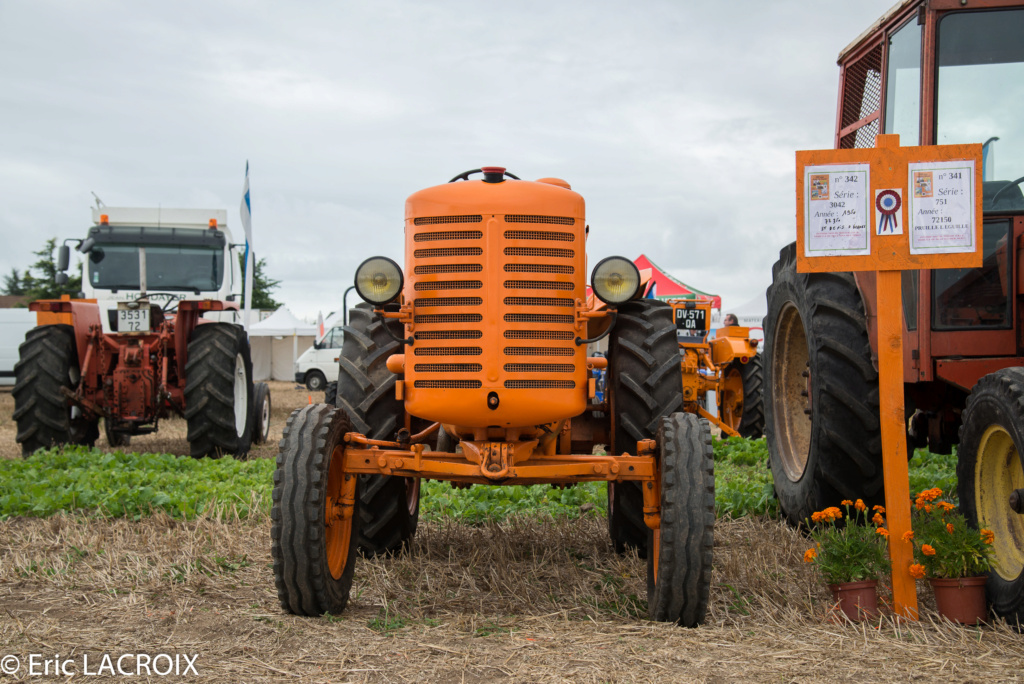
[[961, 599], [857, 600]]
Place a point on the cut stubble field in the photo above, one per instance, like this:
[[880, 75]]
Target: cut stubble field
[[526, 599]]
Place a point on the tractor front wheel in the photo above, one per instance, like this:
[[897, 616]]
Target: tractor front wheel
[[989, 472], [646, 385], [48, 364], [219, 391], [261, 413], [314, 517], [680, 550]]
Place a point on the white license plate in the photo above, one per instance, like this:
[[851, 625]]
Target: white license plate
[[132, 320]]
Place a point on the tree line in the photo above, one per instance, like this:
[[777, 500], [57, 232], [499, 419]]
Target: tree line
[[39, 280]]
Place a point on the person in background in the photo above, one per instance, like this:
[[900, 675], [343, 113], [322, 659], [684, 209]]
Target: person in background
[[730, 319]]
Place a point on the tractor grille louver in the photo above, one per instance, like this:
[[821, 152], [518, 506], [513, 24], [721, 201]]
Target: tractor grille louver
[[542, 252], [538, 301], [538, 318], [435, 220], [430, 319], [448, 235], [539, 368], [448, 384], [540, 384], [539, 235], [448, 268], [540, 351], [539, 285], [539, 268], [447, 252], [529, 218], [428, 285], [427, 302], [448, 367], [539, 335], [447, 351], [449, 335]]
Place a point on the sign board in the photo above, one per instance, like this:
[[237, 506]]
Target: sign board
[[889, 209]]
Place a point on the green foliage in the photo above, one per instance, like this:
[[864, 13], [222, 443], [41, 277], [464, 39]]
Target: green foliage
[[743, 483], [944, 544], [933, 470], [847, 553], [129, 484], [14, 284], [263, 286], [482, 503], [39, 280]]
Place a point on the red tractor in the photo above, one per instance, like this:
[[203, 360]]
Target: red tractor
[[138, 348], [934, 72]]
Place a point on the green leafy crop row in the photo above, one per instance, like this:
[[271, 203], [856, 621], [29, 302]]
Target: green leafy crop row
[[132, 485]]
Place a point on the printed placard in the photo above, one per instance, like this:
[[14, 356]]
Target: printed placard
[[837, 210], [942, 207]]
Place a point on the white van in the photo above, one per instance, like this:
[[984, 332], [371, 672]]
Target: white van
[[318, 365], [14, 323]]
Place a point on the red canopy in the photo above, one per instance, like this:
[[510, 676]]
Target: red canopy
[[667, 287]]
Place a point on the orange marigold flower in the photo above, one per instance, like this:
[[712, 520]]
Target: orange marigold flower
[[949, 527], [927, 508], [810, 555], [878, 519], [833, 513], [927, 549], [917, 571], [908, 535], [945, 506], [860, 505], [878, 509], [882, 531], [817, 516], [845, 502], [988, 536]]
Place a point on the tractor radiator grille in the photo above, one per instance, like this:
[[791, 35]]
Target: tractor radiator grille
[[448, 384], [540, 384], [448, 268], [539, 367], [540, 351], [435, 220], [537, 259], [448, 285], [539, 335], [448, 351]]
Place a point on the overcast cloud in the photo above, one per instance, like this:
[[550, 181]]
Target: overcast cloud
[[676, 121]]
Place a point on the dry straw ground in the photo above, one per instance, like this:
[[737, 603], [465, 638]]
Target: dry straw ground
[[523, 601]]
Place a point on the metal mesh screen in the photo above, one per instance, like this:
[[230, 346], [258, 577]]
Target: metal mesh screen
[[862, 97]]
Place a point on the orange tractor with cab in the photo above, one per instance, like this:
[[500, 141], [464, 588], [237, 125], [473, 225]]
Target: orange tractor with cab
[[470, 365]]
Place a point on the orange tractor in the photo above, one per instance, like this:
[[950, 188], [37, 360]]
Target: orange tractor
[[472, 367], [727, 365], [934, 72]]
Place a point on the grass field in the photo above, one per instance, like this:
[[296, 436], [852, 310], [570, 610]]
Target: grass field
[[496, 593]]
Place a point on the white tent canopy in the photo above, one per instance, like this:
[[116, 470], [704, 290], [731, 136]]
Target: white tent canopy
[[276, 343]]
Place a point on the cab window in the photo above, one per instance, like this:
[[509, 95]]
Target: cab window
[[975, 298]]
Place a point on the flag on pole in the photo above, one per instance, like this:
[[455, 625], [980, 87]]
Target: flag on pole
[[320, 324], [246, 212]]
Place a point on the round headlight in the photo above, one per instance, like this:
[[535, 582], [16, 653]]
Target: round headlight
[[615, 280], [379, 280]]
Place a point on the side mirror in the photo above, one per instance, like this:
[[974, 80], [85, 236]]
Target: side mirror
[[63, 258], [61, 278], [86, 245]]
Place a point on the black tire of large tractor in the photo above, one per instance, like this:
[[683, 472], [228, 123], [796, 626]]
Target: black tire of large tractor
[[646, 384], [678, 591], [218, 376], [989, 469], [331, 393], [389, 505], [824, 442], [48, 363], [313, 559], [261, 413], [752, 422]]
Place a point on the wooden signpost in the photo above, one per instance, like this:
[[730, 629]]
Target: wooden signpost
[[889, 209]]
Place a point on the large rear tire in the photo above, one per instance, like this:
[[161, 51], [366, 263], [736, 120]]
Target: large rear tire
[[389, 505], [646, 384], [989, 469], [48, 363], [679, 563], [219, 391], [312, 530], [821, 398]]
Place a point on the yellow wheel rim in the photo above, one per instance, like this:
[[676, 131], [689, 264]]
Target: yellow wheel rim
[[790, 390], [997, 472]]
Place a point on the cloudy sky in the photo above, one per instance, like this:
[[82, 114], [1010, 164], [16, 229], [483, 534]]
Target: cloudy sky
[[677, 121]]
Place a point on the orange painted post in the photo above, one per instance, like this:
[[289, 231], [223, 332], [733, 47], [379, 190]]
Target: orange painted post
[[894, 440], [862, 220]]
